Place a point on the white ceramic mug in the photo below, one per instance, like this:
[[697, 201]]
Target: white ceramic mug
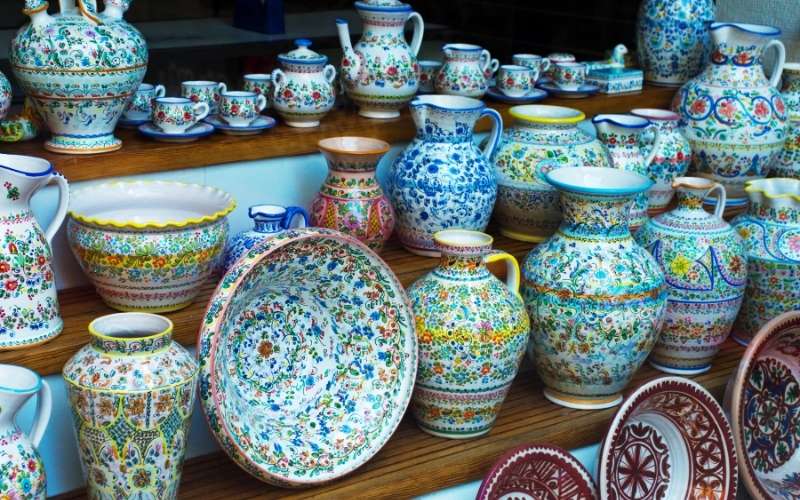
[[175, 115], [536, 63], [241, 108], [204, 91], [141, 105], [569, 75], [515, 81]]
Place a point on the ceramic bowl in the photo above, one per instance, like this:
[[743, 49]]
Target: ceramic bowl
[[308, 355], [763, 401], [669, 439], [148, 246]]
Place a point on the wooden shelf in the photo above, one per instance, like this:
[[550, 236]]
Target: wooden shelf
[[140, 155]]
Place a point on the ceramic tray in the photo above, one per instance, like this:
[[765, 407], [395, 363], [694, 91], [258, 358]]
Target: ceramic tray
[[308, 355]]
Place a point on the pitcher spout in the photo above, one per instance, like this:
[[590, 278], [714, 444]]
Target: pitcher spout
[[351, 62]]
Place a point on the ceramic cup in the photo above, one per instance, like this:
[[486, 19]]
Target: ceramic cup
[[557, 57], [141, 105], [174, 115], [204, 91], [427, 76], [515, 81], [569, 75], [537, 64], [260, 83], [241, 108]]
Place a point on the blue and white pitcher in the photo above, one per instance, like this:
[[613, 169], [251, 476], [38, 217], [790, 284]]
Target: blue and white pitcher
[[268, 222]]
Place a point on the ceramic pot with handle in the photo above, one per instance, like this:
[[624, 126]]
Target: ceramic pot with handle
[[302, 89], [466, 71]]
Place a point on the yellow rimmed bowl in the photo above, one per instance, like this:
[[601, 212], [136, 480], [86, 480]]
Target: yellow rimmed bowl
[[148, 246]]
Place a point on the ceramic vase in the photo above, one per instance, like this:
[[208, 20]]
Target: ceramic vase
[[5, 95], [80, 68], [596, 298], [22, 474], [541, 138], [466, 71], [705, 266], [673, 39], [788, 162], [351, 199], [771, 232], [735, 118], [131, 390], [268, 221], [671, 160], [472, 330], [380, 72], [442, 180], [302, 88]]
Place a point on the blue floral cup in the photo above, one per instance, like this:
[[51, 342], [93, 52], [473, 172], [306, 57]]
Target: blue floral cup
[[175, 115], [515, 81], [141, 105], [536, 63], [569, 75], [260, 83], [204, 91], [241, 108]]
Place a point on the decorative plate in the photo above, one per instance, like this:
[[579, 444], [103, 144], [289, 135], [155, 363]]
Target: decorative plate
[[191, 134], [308, 356], [261, 124], [669, 439], [536, 95], [763, 400], [538, 472], [585, 90]]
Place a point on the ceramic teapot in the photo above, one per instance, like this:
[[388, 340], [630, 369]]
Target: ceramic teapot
[[80, 68], [466, 70], [303, 90]]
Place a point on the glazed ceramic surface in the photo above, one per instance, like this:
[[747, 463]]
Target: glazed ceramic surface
[[427, 76], [536, 63], [140, 106], [303, 90], [241, 108], [582, 92], [132, 391], [537, 472], [351, 199], [790, 90], [204, 91], [380, 72], [541, 138], [268, 221], [260, 83], [442, 179], [5, 95], [22, 475], [465, 69], [556, 57], [307, 357], [670, 161], [191, 134], [669, 440], [80, 68], [257, 126], [673, 39], [569, 75], [735, 117], [763, 401], [788, 162], [535, 95], [472, 330], [771, 233], [176, 115], [596, 298], [29, 312], [515, 81], [705, 265], [616, 80], [148, 246]]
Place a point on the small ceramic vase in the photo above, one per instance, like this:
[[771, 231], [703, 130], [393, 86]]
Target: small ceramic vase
[[595, 297], [303, 90], [22, 475], [442, 180], [268, 221], [705, 265], [540, 139], [5, 95], [260, 83], [465, 70], [788, 162], [670, 161], [131, 390], [351, 199], [472, 330], [427, 76], [771, 232]]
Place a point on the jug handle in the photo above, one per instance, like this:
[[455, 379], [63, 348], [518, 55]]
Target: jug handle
[[721, 198], [494, 136], [512, 268], [656, 145], [777, 69], [278, 78], [63, 201], [44, 405], [291, 214], [419, 29], [88, 10]]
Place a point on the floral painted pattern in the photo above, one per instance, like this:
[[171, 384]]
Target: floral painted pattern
[[22, 475], [5, 95], [672, 160]]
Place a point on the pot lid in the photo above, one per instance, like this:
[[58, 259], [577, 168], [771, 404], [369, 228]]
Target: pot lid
[[302, 54], [390, 5]]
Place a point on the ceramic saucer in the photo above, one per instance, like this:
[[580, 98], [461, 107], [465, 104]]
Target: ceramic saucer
[[537, 471], [669, 439], [261, 124], [763, 401], [585, 90], [191, 134], [127, 123], [535, 96]]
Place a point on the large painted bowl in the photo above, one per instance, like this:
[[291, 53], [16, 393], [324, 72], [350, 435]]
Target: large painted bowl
[[308, 356], [148, 246]]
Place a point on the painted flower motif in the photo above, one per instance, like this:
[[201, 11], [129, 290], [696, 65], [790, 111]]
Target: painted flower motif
[[680, 265], [726, 109], [742, 58], [698, 106], [761, 109]]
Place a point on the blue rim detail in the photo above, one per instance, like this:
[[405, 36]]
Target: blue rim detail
[[218, 122], [620, 124], [417, 102], [536, 96], [150, 130], [644, 184], [451, 46], [48, 171], [377, 8], [31, 390], [773, 31], [173, 100], [586, 88]]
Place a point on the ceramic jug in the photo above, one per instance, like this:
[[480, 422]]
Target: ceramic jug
[[735, 117], [380, 73], [302, 88], [472, 330], [22, 473], [621, 134], [705, 265], [28, 300], [351, 199], [268, 222], [442, 180], [771, 232], [80, 68], [466, 70], [5, 95], [540, 139], [788, 162]]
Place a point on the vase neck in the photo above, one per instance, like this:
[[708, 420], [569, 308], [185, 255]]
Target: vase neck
[[130, 334], [463, 254], [595, 217]]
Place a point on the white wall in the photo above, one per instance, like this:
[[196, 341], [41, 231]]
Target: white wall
[[784, 14]]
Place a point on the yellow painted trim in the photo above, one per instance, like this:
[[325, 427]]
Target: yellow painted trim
[[94, 332], [517, 235], [500, 255], [29, 12], [750, 188], [544, 119], [88, 15], [441, 237], [151, 310]]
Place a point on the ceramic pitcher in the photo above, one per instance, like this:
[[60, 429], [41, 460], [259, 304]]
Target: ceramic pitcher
[[442, 180], [788, 162], [302, 88], [268, 222], [466, 70], [5, 95], [28, 300], [735, 117], [380, 73], [472, 330], [22, 473], [621, 134]]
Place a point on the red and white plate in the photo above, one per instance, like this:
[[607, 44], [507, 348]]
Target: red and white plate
[[669, 440], [537, 472]]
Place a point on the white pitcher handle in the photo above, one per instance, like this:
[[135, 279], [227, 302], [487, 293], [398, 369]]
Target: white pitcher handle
[[63, 202], [777, 69], [261, 102], [721, 198], [486, 60], [419, 29], [656, 146], [160, 91], [329, 73], [44, 405], [277, 82], [494, 136], [512, 268], [201, 110]]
